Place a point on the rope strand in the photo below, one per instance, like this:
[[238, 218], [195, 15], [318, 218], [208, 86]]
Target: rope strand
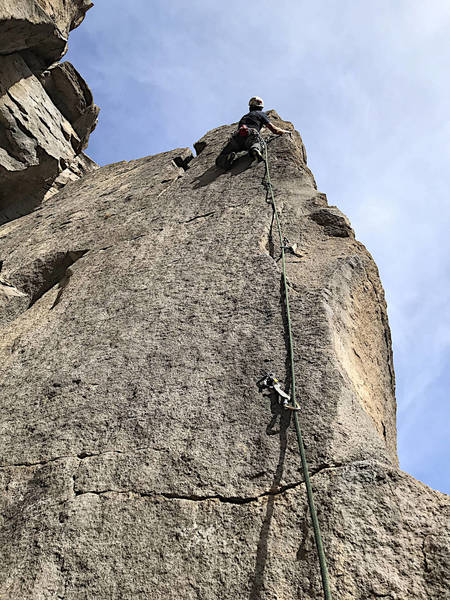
[[312, 508]]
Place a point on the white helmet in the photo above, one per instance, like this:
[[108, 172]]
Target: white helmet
[[256, 102]]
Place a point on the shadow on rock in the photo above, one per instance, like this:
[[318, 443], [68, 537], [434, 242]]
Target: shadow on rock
[[208, 177], [276, 410], [257, 583], [239, 166]]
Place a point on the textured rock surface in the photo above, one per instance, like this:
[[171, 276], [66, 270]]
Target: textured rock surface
[[41, 26], [46, 116], [139, 305], [71, 95], [80, 166]]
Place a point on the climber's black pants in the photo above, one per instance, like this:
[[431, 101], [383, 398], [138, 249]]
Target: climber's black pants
[[238, 143]]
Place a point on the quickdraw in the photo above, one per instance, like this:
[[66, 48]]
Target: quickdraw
[[269, 381]]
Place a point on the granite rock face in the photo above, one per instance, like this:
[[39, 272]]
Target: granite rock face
[[46, 114], [139, 305]]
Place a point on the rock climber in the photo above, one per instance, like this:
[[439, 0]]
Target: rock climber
[[247, 135]]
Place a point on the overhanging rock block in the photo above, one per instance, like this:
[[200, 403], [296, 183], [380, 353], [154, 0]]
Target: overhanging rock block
[[41, 26], [46, 110], [36, 141], [72, 96]]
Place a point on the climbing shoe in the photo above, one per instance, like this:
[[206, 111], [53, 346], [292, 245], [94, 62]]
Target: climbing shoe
[[255, 153], [230, 159]]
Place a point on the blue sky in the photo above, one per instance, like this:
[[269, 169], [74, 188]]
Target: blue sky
[[368, 87]]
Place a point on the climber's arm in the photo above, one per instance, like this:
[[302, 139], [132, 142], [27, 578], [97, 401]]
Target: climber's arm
[[274, 129]]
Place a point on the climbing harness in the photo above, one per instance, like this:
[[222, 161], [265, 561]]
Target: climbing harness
[[269, 381], [312, 509]]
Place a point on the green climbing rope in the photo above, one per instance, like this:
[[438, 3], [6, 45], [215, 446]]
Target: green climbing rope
[[312, 508]]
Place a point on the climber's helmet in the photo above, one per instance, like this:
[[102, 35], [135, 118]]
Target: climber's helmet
[[256, 103]]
